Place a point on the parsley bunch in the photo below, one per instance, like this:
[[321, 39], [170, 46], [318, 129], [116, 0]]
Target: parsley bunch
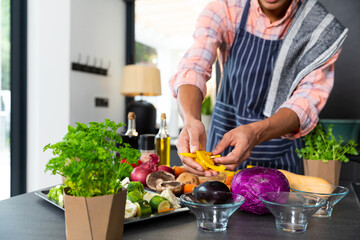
[[321, 145], [86, 157]]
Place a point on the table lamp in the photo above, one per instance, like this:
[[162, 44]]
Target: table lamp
[[141, 80]]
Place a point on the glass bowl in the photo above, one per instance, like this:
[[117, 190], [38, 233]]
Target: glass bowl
[[292, 209], [212, 217], [331, 193]]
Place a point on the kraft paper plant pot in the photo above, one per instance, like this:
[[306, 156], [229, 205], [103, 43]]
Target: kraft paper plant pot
[[94, 218], [330, 171]]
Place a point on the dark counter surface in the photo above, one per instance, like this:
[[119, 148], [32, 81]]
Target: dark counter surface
[[28, 216]]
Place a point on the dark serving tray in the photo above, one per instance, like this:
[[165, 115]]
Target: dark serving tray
[[44, 195]]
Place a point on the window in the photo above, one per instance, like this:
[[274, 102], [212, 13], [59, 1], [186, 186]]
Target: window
[[5, 101], [163, 33]]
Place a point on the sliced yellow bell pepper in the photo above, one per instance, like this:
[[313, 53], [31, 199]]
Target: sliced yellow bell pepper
[[204, 158], [192, 155]]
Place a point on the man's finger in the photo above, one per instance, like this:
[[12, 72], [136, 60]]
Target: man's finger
[[194, 144], [193, 170], [222, 145], [191, 163]]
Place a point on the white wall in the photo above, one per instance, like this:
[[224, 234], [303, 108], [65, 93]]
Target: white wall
[[57, 32], [48, 84], [97, 31]]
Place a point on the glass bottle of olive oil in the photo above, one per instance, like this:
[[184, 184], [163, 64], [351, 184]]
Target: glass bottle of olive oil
[[163, 142]]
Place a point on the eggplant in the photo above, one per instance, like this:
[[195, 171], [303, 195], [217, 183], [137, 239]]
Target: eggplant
[[212, 192]]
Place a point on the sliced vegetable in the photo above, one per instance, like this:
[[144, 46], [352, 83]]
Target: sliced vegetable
[[125, 182], [136, 186], [134, 196], [204, 158], [149, 195], [192, 155], [56, 193], [130, 209], [169, 195], [174, 186], [167, 210], [142, 208], [159, 204]]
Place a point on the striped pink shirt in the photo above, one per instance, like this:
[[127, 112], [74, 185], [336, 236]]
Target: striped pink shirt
[[214, 36]]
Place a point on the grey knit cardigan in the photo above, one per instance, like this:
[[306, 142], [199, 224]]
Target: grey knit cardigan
[[313, 38]]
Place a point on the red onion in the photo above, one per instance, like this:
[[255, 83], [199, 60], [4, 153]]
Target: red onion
[[166, 169], [152, 163], [139, 174]]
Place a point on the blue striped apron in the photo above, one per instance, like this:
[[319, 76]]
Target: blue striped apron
[[241, 99]]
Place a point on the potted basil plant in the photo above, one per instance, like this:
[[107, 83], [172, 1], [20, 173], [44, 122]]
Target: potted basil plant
[[94, 198], [323, 154]]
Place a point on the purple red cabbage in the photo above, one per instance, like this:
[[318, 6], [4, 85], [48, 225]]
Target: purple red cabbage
[[254, 182]]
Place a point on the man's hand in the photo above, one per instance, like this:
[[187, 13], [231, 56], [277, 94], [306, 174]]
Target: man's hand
[[193, 134], [190, 139], [243, 139]]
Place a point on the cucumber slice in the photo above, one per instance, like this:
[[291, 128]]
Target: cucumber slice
[[134, 196], [147, 196], [142, 208], [159, 204]]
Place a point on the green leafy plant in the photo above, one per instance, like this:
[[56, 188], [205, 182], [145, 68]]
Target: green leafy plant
[[88, 157], [322, 145], [206, 106]]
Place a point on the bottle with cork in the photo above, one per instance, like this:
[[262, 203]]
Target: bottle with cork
[[131, 135], [163, 142]]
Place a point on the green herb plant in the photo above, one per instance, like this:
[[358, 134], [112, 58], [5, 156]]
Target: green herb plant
[[322, 145], [88, 157], [206, 106]]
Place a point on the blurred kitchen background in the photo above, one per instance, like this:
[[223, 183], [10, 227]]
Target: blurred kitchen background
[[40, 93]]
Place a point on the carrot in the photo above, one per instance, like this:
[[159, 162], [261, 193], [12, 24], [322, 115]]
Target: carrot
[[229, 178], [178, 170], [170, 209], [189, 187]]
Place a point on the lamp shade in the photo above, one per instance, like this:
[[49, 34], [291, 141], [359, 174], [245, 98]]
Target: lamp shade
[[141, 80]]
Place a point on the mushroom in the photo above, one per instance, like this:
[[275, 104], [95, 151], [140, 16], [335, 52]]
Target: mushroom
[[188, 178], [153, 179], [175, 187]]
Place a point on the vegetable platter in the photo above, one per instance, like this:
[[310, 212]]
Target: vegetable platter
[[44, 195]]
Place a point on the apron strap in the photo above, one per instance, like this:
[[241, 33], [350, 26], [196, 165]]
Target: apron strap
[[244, 16]]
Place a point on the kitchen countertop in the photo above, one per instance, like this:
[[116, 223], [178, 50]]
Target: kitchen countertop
[[28, 216]]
